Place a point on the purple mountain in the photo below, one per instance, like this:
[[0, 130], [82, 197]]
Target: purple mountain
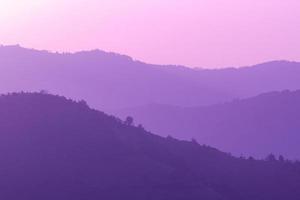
[[110, 81], [55, 148], [105, 80], [254, 126]]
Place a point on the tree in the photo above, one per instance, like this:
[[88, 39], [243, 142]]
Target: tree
[[83, 102], [44, 92], [140, 126], [281, 158], [271, 158], [129, 121], [250, 158], [194, 141], [169, 137]]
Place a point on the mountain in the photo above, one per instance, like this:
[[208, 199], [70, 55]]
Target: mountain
[[254, 126], [109, 81], [106, 80], [55, 148], [249, 81]]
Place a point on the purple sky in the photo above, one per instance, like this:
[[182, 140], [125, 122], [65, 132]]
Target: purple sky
[[197, 33]]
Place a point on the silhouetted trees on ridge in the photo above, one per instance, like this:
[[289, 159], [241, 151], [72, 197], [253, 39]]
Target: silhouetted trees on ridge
[[255, 126]]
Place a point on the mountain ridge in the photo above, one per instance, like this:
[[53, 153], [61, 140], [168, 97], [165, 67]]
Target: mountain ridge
[[127, 57], [252, 126], [69, 151], [110, 81]]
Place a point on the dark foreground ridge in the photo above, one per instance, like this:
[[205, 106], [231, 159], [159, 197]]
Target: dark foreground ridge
[[55, 148]]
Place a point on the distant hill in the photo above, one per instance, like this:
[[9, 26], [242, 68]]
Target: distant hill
[[255, 126], [54, 148], [110, 81], [106, 80]]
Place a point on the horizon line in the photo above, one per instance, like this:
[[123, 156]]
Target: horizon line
[[137, 60]]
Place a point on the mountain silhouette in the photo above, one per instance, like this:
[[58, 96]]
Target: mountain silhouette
[[55, 148], [106, 80], [110, 81], [257, 126]]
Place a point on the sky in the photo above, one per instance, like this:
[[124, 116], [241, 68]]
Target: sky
[[195, 33]]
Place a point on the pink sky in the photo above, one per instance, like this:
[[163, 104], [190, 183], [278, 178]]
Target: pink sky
[[196, 33]]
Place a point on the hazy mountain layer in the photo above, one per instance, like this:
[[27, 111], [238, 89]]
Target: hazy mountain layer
[[255, 126], [109, 81]]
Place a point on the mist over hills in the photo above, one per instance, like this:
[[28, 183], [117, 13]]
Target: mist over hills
[[55, 148], [110, 81], [254, 126], [113, 83], [106, 80]]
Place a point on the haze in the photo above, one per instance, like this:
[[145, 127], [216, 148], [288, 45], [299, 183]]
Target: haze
[[195, 33]]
